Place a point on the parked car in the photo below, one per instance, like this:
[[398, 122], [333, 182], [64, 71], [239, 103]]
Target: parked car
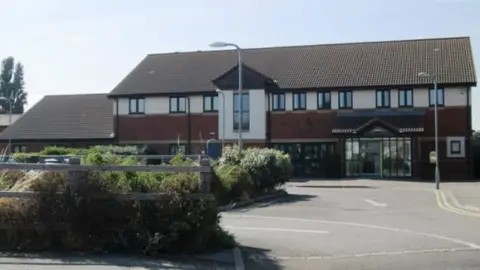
[[9, 159]]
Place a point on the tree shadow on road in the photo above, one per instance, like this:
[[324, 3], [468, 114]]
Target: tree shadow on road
[[259, 259], [45, 260], [287, 199]]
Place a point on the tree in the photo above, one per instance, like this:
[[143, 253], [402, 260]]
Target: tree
[[12, 85]]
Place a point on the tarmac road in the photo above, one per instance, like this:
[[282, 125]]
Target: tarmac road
[[360, 224]]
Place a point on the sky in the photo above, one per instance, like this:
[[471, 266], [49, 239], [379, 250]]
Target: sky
[[87, 46]]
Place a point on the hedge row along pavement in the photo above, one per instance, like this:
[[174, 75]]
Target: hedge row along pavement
[[79, 222]]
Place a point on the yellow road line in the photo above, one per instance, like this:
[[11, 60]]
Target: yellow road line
[[451, 196], [445, 205]]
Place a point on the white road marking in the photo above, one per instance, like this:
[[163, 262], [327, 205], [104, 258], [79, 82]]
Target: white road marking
[[376, 203], [274, 229], [261, 258], [431, 235]]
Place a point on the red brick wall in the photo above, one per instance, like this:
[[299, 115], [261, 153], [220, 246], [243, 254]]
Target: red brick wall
[[302, 125], [451, 122], [166, 127]]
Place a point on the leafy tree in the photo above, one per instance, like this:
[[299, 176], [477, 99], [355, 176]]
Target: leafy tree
[[12, 85]]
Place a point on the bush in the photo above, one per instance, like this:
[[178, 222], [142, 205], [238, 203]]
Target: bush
[[267, 168], [81, 221], [230, 183]]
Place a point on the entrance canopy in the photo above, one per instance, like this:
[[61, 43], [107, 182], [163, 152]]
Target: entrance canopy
[[378, 123]]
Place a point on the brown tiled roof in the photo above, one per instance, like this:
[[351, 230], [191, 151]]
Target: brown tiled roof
[[314, 66], [87, 116], [401, 123]]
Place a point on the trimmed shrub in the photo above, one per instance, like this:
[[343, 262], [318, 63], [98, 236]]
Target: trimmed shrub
[[230, 183], [82, 221], [267, 168]]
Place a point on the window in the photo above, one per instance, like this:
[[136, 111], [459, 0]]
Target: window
[[455, 147], [440, 97], [244, 112], [405, 98], [383, 98], [278, 102], [323, 100], [177, 104], [299, 101], [210, 103], [19, 149], [177, 148], [137, 106], [345, 100]]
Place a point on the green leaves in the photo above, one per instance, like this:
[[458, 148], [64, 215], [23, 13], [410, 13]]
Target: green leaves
[[12, 86]]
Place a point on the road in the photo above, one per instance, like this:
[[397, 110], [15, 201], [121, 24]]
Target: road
[[361, 224]]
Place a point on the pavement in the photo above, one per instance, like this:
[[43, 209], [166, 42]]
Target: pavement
[[107, 262], [355, 224], [361, 224]]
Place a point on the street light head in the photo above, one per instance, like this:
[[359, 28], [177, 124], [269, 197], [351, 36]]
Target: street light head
[[218, 91], [219, 44]]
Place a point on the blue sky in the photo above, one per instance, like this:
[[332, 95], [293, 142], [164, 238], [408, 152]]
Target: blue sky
[[88, 46]]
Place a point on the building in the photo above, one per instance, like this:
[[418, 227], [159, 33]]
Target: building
[[5, 119], [350, 110], [63, 120]]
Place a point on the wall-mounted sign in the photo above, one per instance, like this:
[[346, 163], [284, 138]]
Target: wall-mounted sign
[[433, 157]]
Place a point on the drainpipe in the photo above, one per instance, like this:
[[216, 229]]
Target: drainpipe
[[469, 152], [117, 122], [189, 127], [268, 126]]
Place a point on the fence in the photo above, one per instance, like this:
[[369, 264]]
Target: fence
[[77, 173], [161, 158]]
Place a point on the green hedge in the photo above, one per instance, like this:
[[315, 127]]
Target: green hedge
[[247, 173], [68, 151], [178, 225]]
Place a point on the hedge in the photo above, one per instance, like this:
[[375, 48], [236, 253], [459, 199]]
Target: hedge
[[177, 225], [249, 173]]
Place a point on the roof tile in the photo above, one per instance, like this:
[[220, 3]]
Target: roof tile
[[314, 66]]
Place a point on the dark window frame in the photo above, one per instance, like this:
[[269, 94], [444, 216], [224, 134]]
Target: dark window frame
[[173, 148], [21, 147], [383, 93], [276, 97], [137, 103], [245, 112], [325, 105], [178, 98], [211, 101], [405, 95], [298, 96], [459, 147], [439, 89], [346, 107]]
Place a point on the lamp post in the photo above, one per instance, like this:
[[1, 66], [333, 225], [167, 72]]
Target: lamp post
[[223, 114], [9, 100], [435, 108], [240, 81]]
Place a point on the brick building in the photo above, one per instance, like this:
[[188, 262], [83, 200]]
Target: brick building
[[361, 103], [62, 120]]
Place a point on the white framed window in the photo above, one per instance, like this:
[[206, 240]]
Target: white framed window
[[455, 147]]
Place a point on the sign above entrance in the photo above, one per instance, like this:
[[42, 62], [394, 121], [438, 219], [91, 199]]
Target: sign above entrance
[[433, 157]]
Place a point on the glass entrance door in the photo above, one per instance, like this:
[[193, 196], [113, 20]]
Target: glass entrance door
[[378, 157], [370, 158]]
